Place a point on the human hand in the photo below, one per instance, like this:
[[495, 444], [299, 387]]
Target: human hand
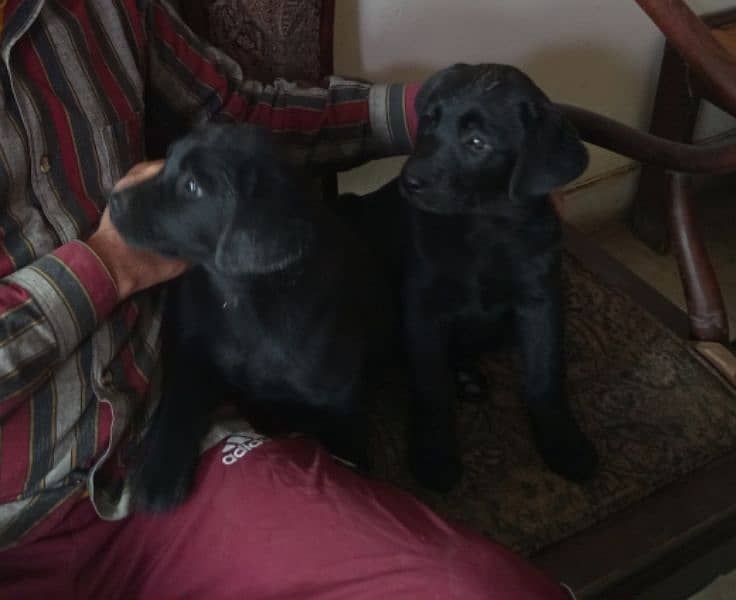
[[131, 268]]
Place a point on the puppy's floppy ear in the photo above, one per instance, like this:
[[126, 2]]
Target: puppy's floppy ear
[[232, 255], [550, 153]]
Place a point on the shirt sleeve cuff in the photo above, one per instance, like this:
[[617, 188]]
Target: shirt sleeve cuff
[[393, 116], [74, 290]]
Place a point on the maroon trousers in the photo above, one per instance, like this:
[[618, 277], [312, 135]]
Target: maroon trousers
[[283, 520]]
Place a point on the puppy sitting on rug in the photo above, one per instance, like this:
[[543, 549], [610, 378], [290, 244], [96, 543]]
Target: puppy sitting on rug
[[474, 246], [282, 306]]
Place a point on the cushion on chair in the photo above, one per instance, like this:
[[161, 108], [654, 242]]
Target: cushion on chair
[[654, 411], [268, 38]]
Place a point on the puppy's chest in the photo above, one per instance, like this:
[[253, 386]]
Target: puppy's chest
[[255, 331], [476, 285], [278, 340], [473, 270]]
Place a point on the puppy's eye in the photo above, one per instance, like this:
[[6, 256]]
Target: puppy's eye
[[192, 187], [477, 143]]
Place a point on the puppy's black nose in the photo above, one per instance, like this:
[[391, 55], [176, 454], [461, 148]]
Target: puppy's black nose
[[413, 183]]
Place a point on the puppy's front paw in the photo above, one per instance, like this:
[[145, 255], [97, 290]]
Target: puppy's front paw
[[435, 469], [567, 451], [472, 387]]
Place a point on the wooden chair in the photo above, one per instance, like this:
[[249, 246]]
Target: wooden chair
[[694, 518], [636, 544], [712, 68]]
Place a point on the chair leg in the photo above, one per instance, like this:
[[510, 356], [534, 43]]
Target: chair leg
[[675, 111], [705, 306]]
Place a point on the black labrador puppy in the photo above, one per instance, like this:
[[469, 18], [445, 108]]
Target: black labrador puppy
[[474, 245], [281, 306]]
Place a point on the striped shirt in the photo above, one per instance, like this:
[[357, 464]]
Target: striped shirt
[[79, 371]]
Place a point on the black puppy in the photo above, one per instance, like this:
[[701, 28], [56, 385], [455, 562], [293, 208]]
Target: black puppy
[[281, 305], [475, 248]]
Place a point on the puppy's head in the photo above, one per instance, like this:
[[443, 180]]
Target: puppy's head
[[487, 135], [224, 199]]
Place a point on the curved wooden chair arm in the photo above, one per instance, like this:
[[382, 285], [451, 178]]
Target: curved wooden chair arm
[[713, 65], [706, 308], [650, 149]]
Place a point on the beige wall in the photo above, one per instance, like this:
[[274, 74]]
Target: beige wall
[[600, 54]]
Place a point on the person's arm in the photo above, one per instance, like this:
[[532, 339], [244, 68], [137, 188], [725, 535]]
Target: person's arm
[[48, 307], [341, 124]]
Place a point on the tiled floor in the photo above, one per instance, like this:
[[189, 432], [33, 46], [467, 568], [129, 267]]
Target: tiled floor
[[717, 216]]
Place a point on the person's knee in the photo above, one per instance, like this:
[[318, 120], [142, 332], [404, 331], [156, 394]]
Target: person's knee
[[482, 569]]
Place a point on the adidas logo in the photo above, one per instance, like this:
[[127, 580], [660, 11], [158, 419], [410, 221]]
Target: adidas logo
[[237, 446]]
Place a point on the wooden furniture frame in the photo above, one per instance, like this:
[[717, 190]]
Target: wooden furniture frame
[[713, 66], [692, 521], [676, 106]]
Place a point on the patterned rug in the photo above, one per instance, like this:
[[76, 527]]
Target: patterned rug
[[652, 409]]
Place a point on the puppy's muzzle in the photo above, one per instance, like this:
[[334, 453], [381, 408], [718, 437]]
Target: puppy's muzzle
[[138, 197], [132, 209], [413, 184], [412, 181], [118, 205]]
